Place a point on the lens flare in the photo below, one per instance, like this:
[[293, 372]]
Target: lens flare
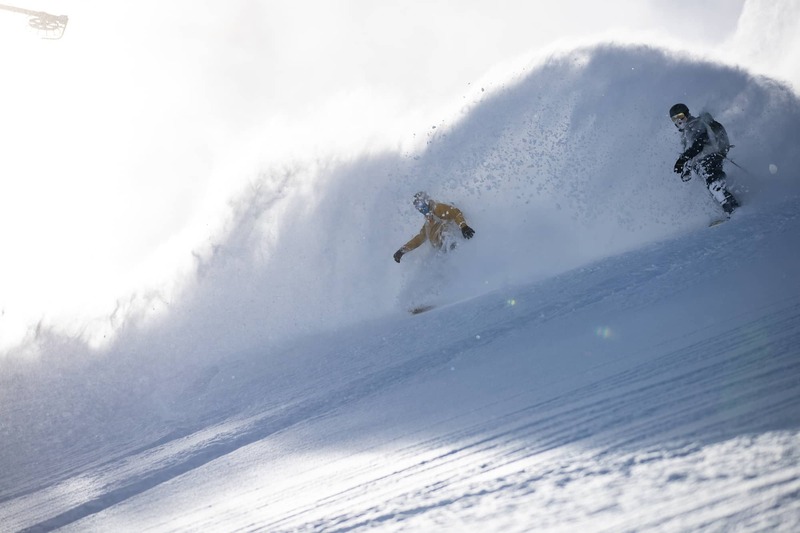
[[604, 332]]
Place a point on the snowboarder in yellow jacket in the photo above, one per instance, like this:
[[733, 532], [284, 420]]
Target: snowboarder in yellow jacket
[[439, 218]]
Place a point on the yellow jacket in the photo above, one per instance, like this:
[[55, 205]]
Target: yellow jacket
[[435, 223]]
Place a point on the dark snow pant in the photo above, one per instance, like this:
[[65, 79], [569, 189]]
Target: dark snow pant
[[710, 169]]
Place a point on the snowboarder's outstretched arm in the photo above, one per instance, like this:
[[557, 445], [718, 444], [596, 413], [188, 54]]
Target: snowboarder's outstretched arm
[[416, 242]]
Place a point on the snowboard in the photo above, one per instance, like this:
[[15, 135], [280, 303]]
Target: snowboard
[[420, 309]]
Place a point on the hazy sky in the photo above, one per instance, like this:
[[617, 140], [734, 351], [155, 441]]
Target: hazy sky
[[124, 140]]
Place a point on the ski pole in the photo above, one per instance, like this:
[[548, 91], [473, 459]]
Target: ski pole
[[734, 163]]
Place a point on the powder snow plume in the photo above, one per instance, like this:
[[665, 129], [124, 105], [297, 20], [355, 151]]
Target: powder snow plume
[[566, 162]]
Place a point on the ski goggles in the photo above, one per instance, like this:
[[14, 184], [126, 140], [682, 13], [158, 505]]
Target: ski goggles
[[422, 205], [679, 116], [680, 119]]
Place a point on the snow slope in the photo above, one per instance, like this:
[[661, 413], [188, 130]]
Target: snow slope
[[600, 359]]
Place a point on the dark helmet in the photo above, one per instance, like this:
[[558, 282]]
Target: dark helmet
[[677, 109]]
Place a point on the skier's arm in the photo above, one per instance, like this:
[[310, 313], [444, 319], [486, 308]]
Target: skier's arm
[[418, 239], [416, 242], [696, 147], [449, 212]]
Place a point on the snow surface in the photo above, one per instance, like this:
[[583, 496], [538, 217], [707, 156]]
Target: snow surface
[[599, 358]]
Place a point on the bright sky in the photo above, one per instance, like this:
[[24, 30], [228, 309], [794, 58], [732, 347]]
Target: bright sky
[[124, 140]]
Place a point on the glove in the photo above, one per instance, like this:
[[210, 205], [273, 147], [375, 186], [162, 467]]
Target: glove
[[680, 163], [467, 232], [686, 175], [398, 254]]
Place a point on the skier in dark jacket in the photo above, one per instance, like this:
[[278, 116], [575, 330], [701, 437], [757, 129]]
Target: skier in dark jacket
[[705, 145]]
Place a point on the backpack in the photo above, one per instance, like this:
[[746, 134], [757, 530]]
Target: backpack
[[720, 135]]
